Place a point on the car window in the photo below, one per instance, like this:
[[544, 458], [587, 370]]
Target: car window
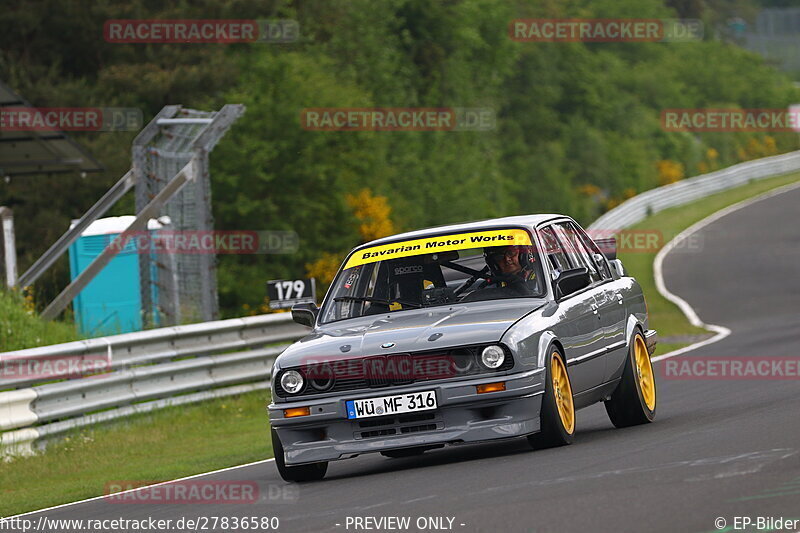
[[555, 251], [595, 253], [576, 249]]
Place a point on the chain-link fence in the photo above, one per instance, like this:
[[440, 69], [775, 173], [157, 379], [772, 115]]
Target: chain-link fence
[[179, 288]]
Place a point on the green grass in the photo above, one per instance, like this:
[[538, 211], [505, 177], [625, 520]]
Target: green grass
[[665, 316], [163, 445], [20, 329]]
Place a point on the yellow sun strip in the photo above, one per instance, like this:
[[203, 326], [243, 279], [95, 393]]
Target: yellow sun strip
[[443, 243]]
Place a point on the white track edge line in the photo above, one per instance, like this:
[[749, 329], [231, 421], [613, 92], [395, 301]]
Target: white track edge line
[[3, 519], [683, 305]]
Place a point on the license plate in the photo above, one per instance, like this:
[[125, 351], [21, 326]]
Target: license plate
[[392, 405]]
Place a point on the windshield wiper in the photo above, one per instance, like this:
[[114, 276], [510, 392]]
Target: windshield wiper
[[375, 300]]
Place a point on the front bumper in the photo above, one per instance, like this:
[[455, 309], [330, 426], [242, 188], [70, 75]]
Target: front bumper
[[462, 416]]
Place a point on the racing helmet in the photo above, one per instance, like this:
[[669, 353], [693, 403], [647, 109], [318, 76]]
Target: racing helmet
[[525, 256]]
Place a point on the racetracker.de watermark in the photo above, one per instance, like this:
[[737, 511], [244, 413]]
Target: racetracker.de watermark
[[394, 367], [731, 120], [605, 30], [647, 241], [398, 119], [731, 368], [71, 119], [627, 240], [198, 491], [201, 31], [53, 366], [198, 242]]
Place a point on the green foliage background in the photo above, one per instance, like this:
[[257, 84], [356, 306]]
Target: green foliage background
[[569, 115]]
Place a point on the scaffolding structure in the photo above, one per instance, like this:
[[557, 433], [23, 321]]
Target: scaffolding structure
[[170, 175], [186, 283]]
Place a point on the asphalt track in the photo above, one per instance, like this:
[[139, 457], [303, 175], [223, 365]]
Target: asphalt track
[[718, 448]]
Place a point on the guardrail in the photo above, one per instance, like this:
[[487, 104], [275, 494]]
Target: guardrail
[[143, 371], [685, 191], [164, 344], [184, 364]]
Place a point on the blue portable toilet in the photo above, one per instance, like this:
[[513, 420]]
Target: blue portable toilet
[[111, 303]]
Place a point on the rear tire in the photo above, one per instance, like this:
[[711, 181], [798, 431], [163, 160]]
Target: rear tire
[[634, 400], [558, 406], [309, 472]]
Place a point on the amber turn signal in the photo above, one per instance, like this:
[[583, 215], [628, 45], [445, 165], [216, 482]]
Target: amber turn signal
[[296, 411], [491, 387]]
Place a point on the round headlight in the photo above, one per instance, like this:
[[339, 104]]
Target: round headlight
[[292, 381], [321, 378], [493, 356], [464, 361]]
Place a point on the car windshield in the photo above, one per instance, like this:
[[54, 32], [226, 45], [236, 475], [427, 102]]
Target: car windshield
[[432, 271]]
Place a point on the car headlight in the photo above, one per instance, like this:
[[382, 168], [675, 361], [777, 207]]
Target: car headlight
[[292, 381], [320, 377], [493, 356]]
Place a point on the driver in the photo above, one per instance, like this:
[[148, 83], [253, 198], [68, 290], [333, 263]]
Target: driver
[[512, 266]]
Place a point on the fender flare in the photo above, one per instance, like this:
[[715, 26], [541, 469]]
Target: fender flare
[[547, 338], [630, 327]]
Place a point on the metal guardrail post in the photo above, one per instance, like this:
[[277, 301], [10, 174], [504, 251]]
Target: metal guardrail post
[[9, 246]]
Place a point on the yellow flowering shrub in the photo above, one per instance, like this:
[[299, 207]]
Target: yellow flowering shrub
[[589, 190], [373, 212], [669, 171], [324, 268]]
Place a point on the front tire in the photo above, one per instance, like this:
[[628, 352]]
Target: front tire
[[558, 406], [309, 472], [634, 400]]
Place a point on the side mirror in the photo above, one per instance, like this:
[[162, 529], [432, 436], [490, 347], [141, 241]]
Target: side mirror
[[571, 281], [617, 268], [608, 247], [305, 314]]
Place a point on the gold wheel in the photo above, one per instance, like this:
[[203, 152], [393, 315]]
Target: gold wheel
[[644, 372], [562, 392]]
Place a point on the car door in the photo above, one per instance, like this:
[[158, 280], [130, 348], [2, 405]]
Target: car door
[[611, 300], [616, 316], [579, 329]]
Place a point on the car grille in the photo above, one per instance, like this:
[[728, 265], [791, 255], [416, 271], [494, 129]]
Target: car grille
[[383, 371], [397, 425], [378, 433]]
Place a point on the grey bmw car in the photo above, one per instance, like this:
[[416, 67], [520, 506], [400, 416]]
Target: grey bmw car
[[467, 333]]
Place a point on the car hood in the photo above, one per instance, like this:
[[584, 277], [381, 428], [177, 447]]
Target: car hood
[[409, 331]]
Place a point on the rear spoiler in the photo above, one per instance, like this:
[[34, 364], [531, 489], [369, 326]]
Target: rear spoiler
[[608, 247]]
